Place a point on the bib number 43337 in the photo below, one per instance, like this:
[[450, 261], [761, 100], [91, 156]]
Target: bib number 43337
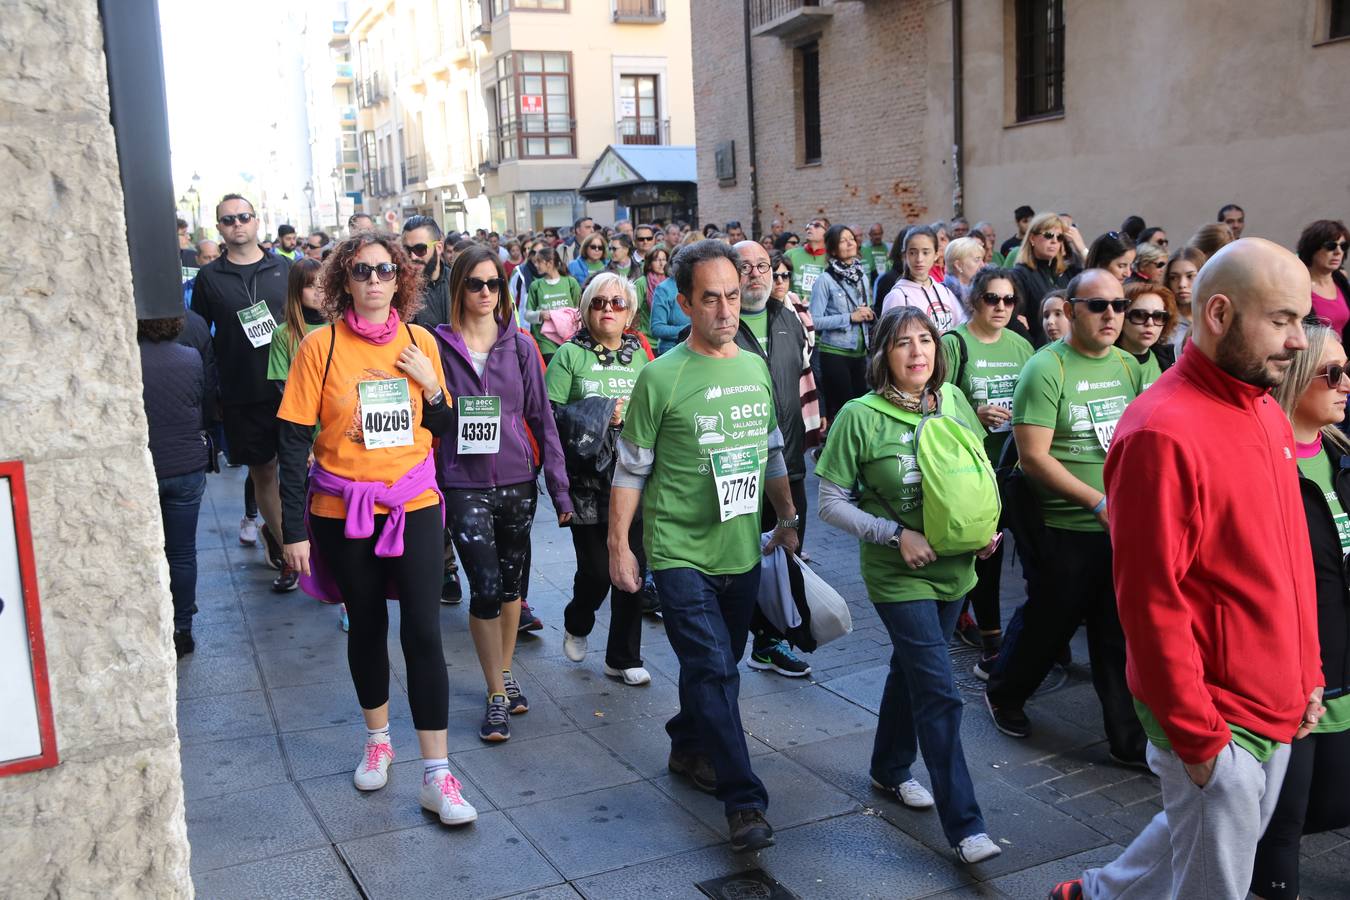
[[736, 475], [480, 425]]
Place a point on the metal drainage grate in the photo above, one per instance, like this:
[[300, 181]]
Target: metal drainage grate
[[963, 662]]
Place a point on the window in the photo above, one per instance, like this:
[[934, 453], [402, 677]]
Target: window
[[534, 106], [1040, 59], [641, 121], [500, 7], [810, 111], [1339, 20]]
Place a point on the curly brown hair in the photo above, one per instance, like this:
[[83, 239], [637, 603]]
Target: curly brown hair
[[336, 270]]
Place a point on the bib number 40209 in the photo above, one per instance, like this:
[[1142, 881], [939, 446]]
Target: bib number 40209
[[386, 413]]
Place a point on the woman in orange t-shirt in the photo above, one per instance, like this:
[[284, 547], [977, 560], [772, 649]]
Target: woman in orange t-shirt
[[373, 384]]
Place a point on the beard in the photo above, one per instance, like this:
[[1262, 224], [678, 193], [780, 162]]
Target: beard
[[755, 299], [1234, 358]]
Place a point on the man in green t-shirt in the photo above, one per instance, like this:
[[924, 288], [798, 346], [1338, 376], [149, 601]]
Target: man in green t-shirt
[[700, 444], [809, 261], [876, 252], [1065, 409]]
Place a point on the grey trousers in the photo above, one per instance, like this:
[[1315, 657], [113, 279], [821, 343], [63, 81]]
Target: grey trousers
[[1203, 843]]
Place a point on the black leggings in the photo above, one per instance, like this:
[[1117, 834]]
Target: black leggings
[[1314, 797], [591, 585], [843, 378], [364, 579], [491, 530]]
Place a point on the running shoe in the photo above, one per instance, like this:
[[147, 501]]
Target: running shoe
[[344, 622], [286, 581], [910, 793], [635, 677], [749, 830], [1067, 890], [372, 770], [443, 796], [528, 620], [651, 601], [1012, 722], [496, 725], [574, 648], [451, 593], [778, 658], [967, 631], [985, 667], [271, 549], [248, 531], [515, 700], [976, 848]]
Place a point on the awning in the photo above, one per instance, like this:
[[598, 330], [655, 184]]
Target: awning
[[625, 166]]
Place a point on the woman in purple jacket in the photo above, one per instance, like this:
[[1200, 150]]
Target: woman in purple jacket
[[503, 432]]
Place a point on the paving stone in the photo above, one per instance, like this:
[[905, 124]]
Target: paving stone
[[796, 796], [348, 813], [863, 687], [513, 774], [307, 875], [1135, 790], [208, 676], [620, 702], [299, 631], [250, 825], [1087, 807], [846, 762], [585, 834], [328, 751], [644, 744], [1027, 775], [557, 892], [565, 678], [290, 668], [756, 683], [1092, 778], [1325, 877], [226, 767], [228, 715], [488, 858], [309, 706], [1036, 881], [794, 718]]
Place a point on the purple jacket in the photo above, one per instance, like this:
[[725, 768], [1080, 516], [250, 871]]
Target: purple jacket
[[515, 373]]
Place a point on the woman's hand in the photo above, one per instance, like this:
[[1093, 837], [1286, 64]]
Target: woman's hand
[[990, 547], [564, 519], [862, 314], [914, 549], [617, 418], [297, 556], [992, 416], [417, 366]]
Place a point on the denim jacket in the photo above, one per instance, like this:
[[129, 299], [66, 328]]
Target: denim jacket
[[831, 305]]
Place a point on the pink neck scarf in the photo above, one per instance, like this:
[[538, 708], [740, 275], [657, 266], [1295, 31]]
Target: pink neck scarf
[[369, 331]]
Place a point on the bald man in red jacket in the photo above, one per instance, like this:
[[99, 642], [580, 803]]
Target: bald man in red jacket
[[1214, 579]]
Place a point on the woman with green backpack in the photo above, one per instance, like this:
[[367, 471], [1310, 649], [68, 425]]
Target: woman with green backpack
[[905, 472]]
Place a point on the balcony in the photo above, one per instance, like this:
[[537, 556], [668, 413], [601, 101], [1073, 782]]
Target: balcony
[[413, 171], [639, 12], [370, 91], [787, 19], [384, 181], [487, 161], [342, 73], [630, 130], [338, 36]]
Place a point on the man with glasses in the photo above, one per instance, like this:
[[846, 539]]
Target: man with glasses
[[809, 261], [243, 295], [1154, 235], [1233, 216], [644, 239], [315, 244], [422, 242], [1065, 409]]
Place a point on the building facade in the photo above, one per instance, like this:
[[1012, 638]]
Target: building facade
[[863, 111], [332, 188]]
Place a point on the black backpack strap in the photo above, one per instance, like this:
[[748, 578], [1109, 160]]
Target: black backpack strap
[[963, 354], [332, 340]]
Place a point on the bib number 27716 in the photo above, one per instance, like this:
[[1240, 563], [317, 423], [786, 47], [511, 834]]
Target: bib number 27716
[[480, 425], [736, 474]]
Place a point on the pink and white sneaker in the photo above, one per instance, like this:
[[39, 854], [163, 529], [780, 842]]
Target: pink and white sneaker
[[442, 796], [372, 772]]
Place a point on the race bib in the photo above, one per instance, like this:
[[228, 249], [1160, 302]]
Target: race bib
[[258, 324], [1001, 395], [386, 413], [1105, 414], [809, 280], [1342, 522], [736, 475], [480, 424]]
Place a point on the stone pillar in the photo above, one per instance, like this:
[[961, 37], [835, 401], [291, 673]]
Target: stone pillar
[[108, 820]]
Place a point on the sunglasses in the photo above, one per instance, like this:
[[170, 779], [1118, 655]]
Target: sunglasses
[[614, 248], [618, 304], [600, 247], [782, 276], [1099, 305], [644, 240], [1333, 246], [1050, 235], [384, 271], [1161, 243], [1158, 317], [418, 250], [241, 218], [476, 285], [309, 246], [992, 299], [1333, 374]]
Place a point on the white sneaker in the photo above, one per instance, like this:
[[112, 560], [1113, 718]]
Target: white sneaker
[[976, 848], [442, 796], [372, 772], [574, 648], [248, 531], [909, 793], [634, 677]]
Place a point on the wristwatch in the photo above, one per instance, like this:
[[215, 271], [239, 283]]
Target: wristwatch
[[790, 523], [894, 540], [436, 398]]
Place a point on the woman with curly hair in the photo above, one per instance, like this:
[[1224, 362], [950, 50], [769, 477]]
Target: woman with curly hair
[[372, 384]]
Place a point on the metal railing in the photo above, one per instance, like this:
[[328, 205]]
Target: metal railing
[[369, 90], [632, 130], [764, 11], [413, 170], [639, 10]]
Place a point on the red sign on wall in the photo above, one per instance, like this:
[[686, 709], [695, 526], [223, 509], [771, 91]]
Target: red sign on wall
[[531, 103]]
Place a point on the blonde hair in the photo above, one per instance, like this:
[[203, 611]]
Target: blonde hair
[[1301, 374], [1146, 253], [598, 282], [1211, 238], [962, 248], [1025, 256]]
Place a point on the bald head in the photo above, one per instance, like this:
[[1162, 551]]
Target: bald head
[[1247, 310], [755, 285]]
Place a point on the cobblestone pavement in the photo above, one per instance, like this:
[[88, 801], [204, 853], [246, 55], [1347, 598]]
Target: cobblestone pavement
[[579, 802]]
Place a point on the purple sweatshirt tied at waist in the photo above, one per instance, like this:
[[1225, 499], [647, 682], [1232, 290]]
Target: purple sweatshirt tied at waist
[[361, 497]]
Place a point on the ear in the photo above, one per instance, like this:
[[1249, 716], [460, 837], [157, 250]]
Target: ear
[[1218, 313], [684, 304]]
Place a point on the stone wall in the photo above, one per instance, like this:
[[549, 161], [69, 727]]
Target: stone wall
[[108, 820]]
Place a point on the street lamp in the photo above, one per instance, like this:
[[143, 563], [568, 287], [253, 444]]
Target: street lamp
[[195, 204], [337, 210], [309, 197]]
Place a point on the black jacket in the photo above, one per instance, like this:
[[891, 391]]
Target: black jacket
[[1329, 568], [589, 445], [173, 387], [1034, 284], [435, 301], [197, 335], [784, 351], [218, 296]]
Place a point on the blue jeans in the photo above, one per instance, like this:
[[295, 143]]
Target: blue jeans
[[707, 619], [180, 498], [920, 709]]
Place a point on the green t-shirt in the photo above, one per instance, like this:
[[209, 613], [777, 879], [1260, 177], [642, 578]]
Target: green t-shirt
[[575, 373], [544, 296], [1149, 369], [1082, 399], [806, 268], [877, 258], [279, 356], [708, 422], [989, 376], [873, 453], [1263, 748], [758, 323]]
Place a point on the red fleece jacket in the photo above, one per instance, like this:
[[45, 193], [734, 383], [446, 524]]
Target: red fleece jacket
[[1213, 565]]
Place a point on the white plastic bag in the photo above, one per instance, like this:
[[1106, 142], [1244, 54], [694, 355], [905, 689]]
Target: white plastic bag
[[830, 617], [775, 590]]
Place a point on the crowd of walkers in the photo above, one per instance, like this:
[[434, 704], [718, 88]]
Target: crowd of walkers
[[1156, 431]]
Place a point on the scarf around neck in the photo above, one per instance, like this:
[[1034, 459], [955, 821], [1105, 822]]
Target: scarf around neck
[[852, 271], [627, 347], [369, 331], [903, 399]]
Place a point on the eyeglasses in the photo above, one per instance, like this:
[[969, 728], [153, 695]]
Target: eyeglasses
[[1333, 246], [476, 285], [417, 250], [782, 276], [759, 268], [1099, 304], [309, 246], [1159, 317], [1050, 235], [1161, 242], [598, 304], [614, 248], [600, 247], [1333, 374], [384, 271], [241, 218], [644, 240], [992, 299]]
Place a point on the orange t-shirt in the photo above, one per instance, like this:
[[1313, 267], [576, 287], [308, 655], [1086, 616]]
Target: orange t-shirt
[[340, 447]]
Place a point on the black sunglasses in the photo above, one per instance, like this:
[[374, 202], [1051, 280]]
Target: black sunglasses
[[418, 250], [384, 271], [782, 276], [643, 240], [1333, 374], [1333, 246], [992, 299], [241, 218], [1099, 304], [1159, 317], [476, 285], [615, 303]]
